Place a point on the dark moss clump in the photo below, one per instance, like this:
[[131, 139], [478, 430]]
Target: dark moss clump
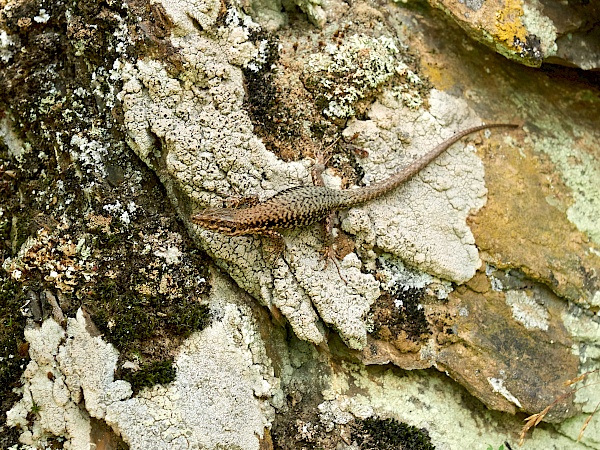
[[144, 327], [158, 372], [387, 434], [274, 121], [127, 319], [13, 353], [261, 93], [188, 317], [402, 312]]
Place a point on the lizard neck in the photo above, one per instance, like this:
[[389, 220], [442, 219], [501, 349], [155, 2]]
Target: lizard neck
[[353, 197]]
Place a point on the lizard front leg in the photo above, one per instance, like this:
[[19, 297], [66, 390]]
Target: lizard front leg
[[277, 244], [327, 251]]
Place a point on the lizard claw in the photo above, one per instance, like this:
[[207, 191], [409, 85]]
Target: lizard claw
[[328, 254]]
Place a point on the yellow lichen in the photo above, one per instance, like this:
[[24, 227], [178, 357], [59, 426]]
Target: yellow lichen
[[508, 22]]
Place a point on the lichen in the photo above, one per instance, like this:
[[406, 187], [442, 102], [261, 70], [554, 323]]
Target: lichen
[[527, 311], [436, 239], [339, 76], [82, 215]]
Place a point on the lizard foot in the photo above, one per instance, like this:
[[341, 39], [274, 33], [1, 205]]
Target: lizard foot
[[328, 254]]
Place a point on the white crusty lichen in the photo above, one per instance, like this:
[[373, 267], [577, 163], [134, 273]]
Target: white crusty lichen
[[7, 46], [541, 26], [343, 305], [499, 387], [66, 367], [272, 15], [314, 11], [222, 397], [424, 221], [16, 147]]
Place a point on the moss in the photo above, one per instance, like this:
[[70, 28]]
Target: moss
[[126, 318], [402, 311], [385, 434], [188, 317], [265, 101], [261, 94], [13, 352], [157, 372]]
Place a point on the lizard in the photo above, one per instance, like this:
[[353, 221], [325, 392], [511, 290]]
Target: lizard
[[304, 205]]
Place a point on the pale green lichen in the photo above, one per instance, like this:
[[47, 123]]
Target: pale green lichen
[[342, 75], [542, 27], [527, 311], [581, 174]]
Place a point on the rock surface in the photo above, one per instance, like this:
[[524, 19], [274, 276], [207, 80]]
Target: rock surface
[[532, 32], [482, 269]]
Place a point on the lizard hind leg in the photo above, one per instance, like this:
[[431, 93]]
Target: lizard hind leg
[[327, 252]]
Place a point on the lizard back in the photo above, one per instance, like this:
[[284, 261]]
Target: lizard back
[[297, 206]]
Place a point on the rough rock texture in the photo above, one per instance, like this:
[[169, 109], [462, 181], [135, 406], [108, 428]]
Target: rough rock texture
[[215, 400], [482, 269], [532, 31]]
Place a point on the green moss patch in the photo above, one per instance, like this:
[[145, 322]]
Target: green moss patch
[[13, 353], [127, 319], [158, 372]]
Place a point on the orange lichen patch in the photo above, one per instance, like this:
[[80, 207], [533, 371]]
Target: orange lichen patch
[[501, 19], [508, 23], [438, 76], [497, 24]]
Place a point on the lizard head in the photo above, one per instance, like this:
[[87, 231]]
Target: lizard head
[[218, 219]]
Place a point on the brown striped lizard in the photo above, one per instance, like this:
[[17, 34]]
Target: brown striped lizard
[[304, 205]]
